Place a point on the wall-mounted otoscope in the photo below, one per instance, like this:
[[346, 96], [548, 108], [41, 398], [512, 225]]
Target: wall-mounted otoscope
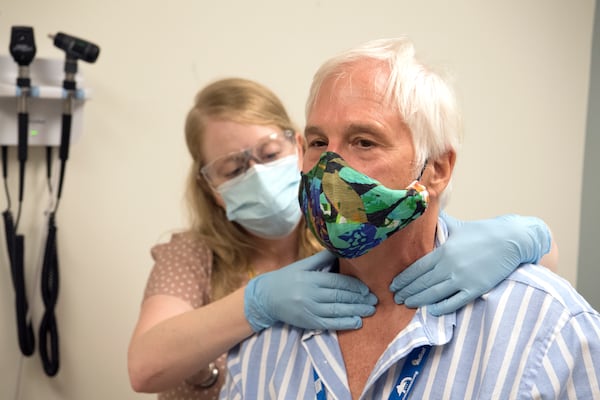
[[75, 49]]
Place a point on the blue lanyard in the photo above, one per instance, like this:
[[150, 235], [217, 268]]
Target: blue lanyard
[[404, 384]]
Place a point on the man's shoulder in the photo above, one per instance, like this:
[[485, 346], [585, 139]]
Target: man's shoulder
[[280, 333], [548, 285], [267, 348]]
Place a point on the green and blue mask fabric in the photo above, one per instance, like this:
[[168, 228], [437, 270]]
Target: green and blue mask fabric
[[351, 213]]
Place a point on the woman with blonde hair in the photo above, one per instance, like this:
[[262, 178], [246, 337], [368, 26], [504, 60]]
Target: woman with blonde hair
[[221, 280]]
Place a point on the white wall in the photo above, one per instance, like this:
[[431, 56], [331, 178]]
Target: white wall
[[522, 73]]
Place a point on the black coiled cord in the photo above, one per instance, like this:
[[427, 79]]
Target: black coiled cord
[[15, 245], [48, 334]]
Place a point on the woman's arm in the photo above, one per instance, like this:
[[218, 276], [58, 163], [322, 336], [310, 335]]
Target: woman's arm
[[172, 341]]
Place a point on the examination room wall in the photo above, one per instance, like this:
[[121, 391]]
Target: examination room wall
[[522, 73]]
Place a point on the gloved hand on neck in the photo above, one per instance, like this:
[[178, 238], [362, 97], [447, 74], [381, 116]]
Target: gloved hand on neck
[[476, 256], [302, 295]]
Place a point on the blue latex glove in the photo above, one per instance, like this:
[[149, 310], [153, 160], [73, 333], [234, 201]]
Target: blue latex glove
[[476, 256], [300, 295]]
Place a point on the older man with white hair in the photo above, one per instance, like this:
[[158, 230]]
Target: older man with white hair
[[382, 132]]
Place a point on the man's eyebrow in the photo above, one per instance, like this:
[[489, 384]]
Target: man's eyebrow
[[312, 130], [352, 128], [363, 128]]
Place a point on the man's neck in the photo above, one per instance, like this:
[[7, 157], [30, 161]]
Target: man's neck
[[378, 268], [361, 348]]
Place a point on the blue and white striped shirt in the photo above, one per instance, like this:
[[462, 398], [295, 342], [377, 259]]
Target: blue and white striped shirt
[[531, 337]]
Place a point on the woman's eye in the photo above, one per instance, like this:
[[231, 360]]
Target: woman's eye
[[270, 156], [270, 152], [231, 168], [232, 173]]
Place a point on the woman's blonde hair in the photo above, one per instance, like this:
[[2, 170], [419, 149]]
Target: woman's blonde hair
[[246, 102]]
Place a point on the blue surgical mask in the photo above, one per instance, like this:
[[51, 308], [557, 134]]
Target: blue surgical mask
[[264, 200]]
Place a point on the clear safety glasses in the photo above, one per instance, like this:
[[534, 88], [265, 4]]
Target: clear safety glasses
[[269, 148]]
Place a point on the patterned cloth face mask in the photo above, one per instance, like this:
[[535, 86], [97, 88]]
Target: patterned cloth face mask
[[350, 213]]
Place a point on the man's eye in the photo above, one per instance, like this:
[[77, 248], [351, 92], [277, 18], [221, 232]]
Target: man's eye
[[317, 143], [364, 143]]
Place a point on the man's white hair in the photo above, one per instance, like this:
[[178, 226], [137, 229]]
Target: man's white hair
[[424, 99]]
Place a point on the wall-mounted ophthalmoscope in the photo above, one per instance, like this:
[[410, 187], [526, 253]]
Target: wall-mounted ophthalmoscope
[[22, 49], [22, 45]]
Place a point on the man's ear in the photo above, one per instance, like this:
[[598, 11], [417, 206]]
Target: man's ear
[[439, 172], [301, 147], [300, 141]]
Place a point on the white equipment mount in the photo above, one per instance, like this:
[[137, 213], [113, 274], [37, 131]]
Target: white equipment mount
[[46, 102]]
